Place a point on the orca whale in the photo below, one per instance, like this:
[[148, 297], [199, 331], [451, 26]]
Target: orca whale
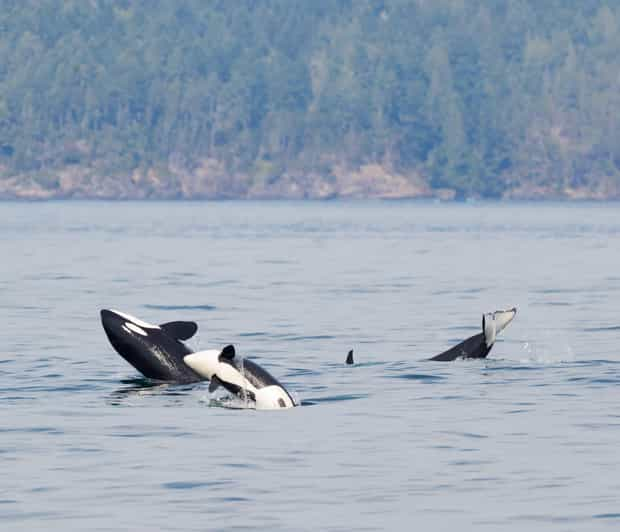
[[156, 351], [350, 360], [241, 377], [479, 345]]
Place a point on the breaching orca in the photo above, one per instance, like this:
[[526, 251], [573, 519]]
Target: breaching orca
[[156, 351], [479, 345], [241, 377]]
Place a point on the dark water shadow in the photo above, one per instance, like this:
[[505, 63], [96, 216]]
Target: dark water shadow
[[334, 398], [143, 386], [507, 365], [607, 516], [189, 485], [301, 372]]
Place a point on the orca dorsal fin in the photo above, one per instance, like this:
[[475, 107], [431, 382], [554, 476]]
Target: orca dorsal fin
[[350, 357], [181, 330], [228, 352], [214, 384]]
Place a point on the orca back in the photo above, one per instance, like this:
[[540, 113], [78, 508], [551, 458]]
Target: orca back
[[474, 347], [255, 375]]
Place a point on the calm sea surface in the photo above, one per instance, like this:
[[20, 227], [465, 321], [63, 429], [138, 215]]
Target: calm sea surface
[[528, 439]]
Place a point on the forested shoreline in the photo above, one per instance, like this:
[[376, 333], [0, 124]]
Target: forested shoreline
[[309, 99]]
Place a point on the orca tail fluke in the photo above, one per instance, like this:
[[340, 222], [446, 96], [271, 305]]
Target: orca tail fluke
[[495, 322], [480, 345], [350, 358]]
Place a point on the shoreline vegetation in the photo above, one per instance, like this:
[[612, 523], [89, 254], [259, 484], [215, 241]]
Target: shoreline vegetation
[[291, 99]]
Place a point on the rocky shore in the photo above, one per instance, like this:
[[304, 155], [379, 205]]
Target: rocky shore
[[210, 179]]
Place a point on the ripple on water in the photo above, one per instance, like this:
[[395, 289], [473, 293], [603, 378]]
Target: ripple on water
[[417, 377], [305, 338], [190, 485], [32, 430], [180, 307], [335, 398]]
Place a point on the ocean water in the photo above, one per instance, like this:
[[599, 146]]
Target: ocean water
[[525, 440]]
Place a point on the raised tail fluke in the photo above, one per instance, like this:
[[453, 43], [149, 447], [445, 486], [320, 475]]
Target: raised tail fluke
[[495, 322], [479, 345]]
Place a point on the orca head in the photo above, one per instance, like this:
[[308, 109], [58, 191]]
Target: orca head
[[273, 398], [123, 329], [495, 322]]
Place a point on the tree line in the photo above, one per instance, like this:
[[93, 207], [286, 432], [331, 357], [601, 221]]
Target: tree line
[[478, 97]]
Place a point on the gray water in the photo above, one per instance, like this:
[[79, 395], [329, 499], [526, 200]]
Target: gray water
[[525, 440]]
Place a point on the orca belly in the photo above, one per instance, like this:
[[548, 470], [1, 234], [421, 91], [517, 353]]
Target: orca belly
[[149, 348], [155, 362]]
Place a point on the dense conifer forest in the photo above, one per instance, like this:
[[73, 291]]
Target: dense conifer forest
[[309, 98]]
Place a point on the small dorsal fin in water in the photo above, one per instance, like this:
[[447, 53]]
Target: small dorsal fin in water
[[214, 384], [181, 330], [350, 357], [228, 352]]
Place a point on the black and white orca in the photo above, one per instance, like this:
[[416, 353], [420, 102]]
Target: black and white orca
[[241, 377], [156, 351], [479, 345]]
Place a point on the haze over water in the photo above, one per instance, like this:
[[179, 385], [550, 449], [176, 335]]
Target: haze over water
[[525, 440]]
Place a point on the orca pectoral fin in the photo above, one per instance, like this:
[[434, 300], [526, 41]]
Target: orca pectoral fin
[[181, 330], [214, 384], [350, 357]]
